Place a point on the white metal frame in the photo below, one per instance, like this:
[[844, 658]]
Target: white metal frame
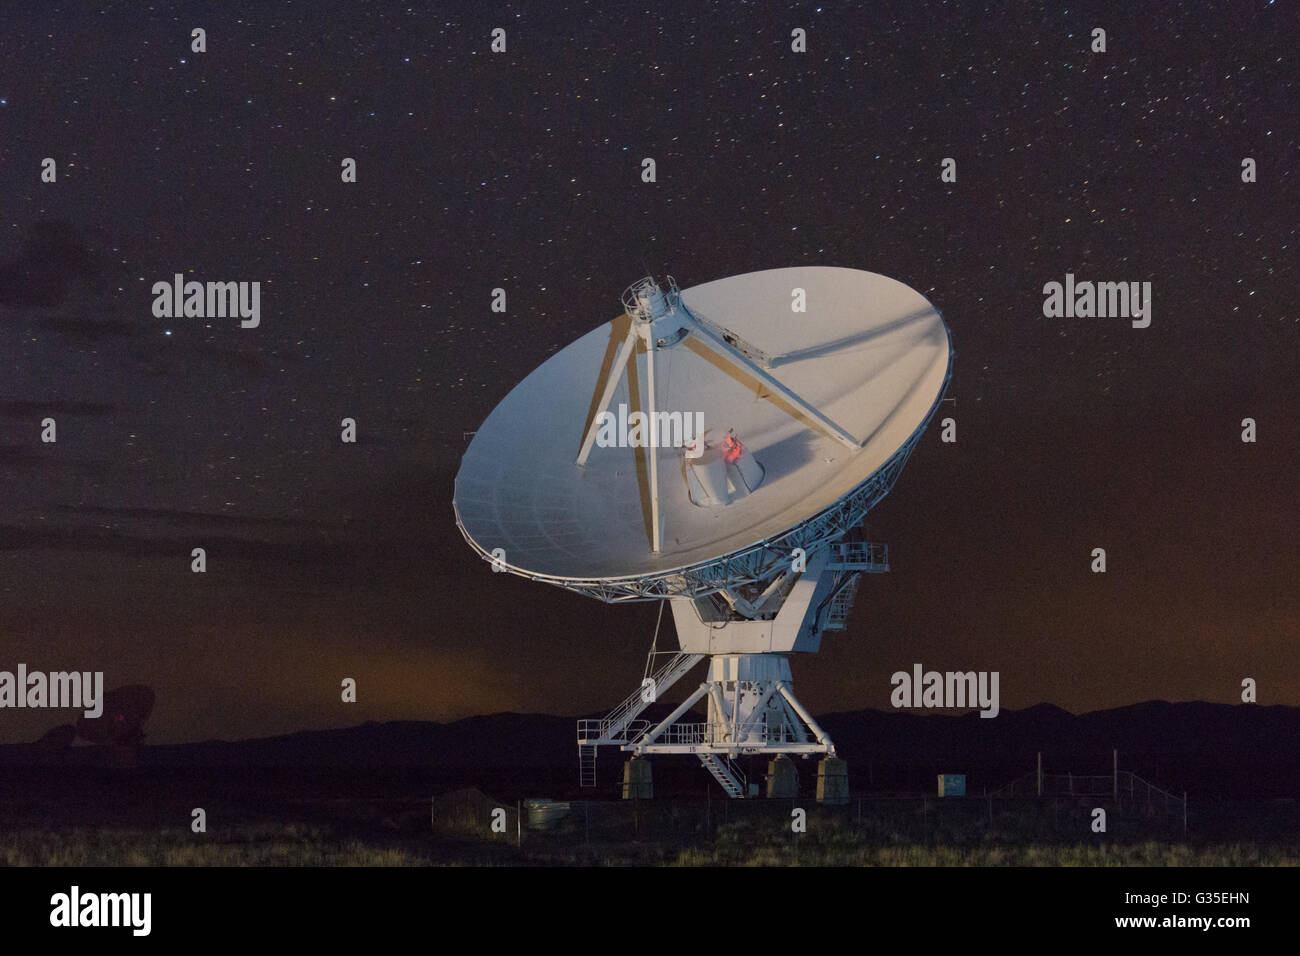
[[650, 312]]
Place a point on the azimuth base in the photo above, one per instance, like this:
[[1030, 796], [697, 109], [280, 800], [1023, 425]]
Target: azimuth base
[[751, 710]]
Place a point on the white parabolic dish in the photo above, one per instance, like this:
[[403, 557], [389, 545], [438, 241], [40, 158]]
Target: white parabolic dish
[[869, 353]]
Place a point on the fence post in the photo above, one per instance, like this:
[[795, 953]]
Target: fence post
[[519, 823]]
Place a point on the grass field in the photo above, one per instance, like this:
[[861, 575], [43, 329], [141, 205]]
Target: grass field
[[290, 846], [406, 838], [301, 819]]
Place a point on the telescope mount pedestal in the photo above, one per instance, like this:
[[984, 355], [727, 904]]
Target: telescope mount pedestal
[[747, 633]]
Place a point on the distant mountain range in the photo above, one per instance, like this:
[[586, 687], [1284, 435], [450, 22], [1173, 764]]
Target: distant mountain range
[[1206, 748]]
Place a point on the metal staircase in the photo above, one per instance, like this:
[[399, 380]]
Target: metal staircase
[[837, 615], [586, 765], [726, 773], [850, 560], [621, 726], [619, 719]]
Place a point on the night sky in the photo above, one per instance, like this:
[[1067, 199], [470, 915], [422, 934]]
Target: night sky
[[522, 170]]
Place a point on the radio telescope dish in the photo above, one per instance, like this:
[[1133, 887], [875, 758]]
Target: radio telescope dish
[[832, 399], [713, 445]]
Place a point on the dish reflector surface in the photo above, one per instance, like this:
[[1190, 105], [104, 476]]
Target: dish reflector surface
[[869, 353]]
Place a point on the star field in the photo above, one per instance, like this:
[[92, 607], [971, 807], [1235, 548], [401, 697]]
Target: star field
[[521, 170]]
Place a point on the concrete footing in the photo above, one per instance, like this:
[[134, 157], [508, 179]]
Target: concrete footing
[[637, 781], [782, 778], [832, 781]]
